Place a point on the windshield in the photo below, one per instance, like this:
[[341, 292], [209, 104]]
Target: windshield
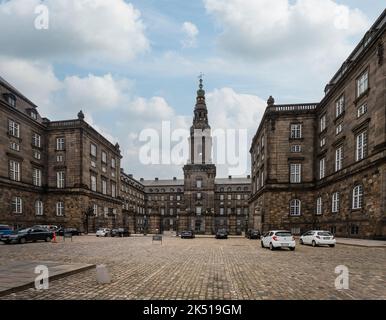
[[24, 230]]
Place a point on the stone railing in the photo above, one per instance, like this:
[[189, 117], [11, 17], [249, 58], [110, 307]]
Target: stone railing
[[293, 107]]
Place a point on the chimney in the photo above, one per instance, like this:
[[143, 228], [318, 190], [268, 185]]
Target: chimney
[[174, 179], [156, 179], [141, 180], [131, 176], [248, 176]]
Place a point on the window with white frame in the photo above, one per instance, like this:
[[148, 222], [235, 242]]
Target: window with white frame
[[361, 110], [113, 163], [198, 210], [198, 183], [36, 140], [295, 207], [361, 146], [339, 106], [113, 189], [11, 100], [262, 178], [14, 170], [171, 211], [221, 211], [95, 209], [296, 131], [262, 142], [34, 115], [296, 148], [60, 144], [93, 182], [323, 123], [104, 157], [104, 186], [335, 202], [37, 155], [338, 128], [319, 206], [60, 179], [37, 177], [357, 197], [338, 158], [60, 208], [295, 172], [322, 168], [14, 128], [17, 205], [59, 158], [14, 146], [362, 83], [322, 142], [38, 208], [93, 150]]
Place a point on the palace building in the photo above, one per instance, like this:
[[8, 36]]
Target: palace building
[[323, 165]]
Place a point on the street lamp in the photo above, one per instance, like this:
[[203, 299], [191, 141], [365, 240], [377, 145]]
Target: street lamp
[[177, 218]]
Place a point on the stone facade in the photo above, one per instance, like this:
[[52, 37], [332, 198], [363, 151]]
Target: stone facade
[[341, 151]]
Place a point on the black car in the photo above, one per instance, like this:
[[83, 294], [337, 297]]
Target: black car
[[120, 232], [222, 234], [28, 235], [72, 231], [187, 234], [253, 234]]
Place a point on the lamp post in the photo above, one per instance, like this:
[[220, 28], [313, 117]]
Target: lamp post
[[144, 225], [177, 221]]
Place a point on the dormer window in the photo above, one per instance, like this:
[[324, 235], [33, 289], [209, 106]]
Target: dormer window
[[34, 114], [11, 99]]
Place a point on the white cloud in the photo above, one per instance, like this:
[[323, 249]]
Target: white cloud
[[191, 32], [268, 30], [96, 29]]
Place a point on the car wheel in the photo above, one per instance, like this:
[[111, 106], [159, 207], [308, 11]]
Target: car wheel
[[262, 244], [48, 239], [313, 243], [292, 249], [271, 247], [332, 245], [22, 241], [301, 242], [106, 235]]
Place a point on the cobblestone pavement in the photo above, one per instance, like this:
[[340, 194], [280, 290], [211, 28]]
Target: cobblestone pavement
[[204, 268]]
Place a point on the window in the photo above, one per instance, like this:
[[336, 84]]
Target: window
[[36, 140], [14, 128], [95, 209], [322, 168], [93, 182], [221, 211], [229, 211], [322, 142], [239, 197], [199, 183], [171, 211], [296, 148], [319, 206], [37, 177], [361, 110], [37, 155], [238, 211], [14, 146], [229, 197], [113, 190], [198, 210], [296, 131], [60, 209], [357, 197], [361, 146], [295, 207], [104, 186], [60, 144], [171, 198], [93, 150], [338, 128], [104, 157], [38, 207], [11, 100], [178, 198], [60, 179], [262, 142], [339, 106], [262, 178], [113, 163], [59, 158], [338, 158], [354, 230], [362, 83], [198, 196], [295, 174], [33, 114], [17, 205], [335, 202], [322, 123], [14, 170], [222, 197]]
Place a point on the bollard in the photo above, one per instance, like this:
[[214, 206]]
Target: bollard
[[102, 274]]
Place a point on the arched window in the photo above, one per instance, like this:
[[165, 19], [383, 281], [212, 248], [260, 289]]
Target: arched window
[[295, 207], [357, 197], [38, 207], [229, 189]]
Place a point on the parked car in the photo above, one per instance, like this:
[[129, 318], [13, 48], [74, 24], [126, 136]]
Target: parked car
[[28, 235], [187, 234], [278, 239], [253, 234], [48, 227], [103, 232], [222, 234], [73, 231], [120, 232], [5, 230], [318, 238]]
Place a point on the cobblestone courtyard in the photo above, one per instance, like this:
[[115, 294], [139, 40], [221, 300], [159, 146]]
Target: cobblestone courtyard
[[204, 268]]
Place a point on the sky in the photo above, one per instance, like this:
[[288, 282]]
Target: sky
[[130, 65]]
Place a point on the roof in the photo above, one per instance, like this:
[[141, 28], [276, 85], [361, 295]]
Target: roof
[[158, 183], [233, 181], [17, 92]]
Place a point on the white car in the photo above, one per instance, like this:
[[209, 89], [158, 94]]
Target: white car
[[103, 232], [317, 238], [278, 239]]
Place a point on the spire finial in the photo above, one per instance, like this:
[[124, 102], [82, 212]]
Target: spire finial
[[201, 77]]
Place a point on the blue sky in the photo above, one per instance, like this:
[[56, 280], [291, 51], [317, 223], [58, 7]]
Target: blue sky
[[132, 64]]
